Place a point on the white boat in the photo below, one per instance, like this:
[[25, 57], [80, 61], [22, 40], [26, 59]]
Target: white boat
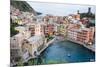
[[68, 55]]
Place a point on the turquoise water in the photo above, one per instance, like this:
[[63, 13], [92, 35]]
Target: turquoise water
[[66, 51]]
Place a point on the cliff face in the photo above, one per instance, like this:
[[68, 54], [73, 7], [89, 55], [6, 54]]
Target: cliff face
[[23, 6]]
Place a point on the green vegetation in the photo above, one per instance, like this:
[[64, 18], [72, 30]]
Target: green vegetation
[[24, 6], [40, 61], [55, 62], [49, 38], [82, 15], [31, 62], [35, 61], [12, 28], [20, 63]]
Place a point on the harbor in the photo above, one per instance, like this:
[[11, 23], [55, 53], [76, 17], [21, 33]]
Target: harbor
[[39, 38], [39, 52], [63, 52]]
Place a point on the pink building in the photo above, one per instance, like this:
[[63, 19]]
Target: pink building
[[49, 29], [81, 36]]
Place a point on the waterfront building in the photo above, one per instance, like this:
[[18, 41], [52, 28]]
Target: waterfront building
[[61, 29], [30, 40], [72, 34], [82, 35], [49, 29], [55, 28], [32, 46]]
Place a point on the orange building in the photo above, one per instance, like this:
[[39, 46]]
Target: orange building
[[81, 36]]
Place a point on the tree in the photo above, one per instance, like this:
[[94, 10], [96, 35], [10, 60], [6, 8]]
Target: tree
[[12, 28]]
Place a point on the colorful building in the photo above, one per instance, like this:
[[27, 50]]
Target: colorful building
[[39, 29], [82, 36], [49, 29], [32, 46]]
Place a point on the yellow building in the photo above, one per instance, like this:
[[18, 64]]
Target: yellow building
[[19, 21]]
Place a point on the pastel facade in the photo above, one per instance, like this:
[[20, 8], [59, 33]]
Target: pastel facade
[[32, 46], [82, 36]]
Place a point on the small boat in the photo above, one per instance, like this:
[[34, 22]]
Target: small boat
[[68, 55]]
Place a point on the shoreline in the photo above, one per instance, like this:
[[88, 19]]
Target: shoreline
[[84, 45]]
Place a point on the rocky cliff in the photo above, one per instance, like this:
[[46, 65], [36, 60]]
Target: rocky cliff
[[23, 6]]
